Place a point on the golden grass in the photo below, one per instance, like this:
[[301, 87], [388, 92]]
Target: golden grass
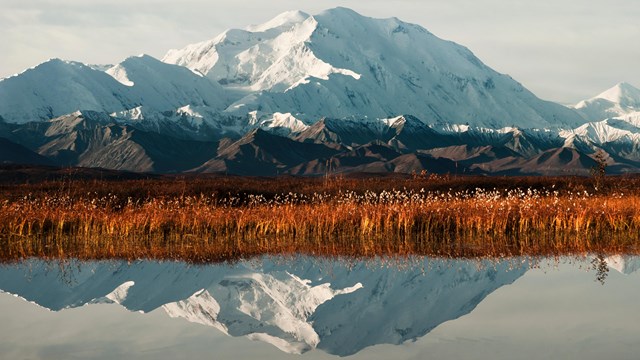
[[472, 222]]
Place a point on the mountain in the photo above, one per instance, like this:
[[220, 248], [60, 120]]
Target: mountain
[[339, 64], [404, 133], [302, 94], [408, 133], [56, 87], [559, 161], [93, 139], [474, 156], [161, 86], [135, 86], [263, 153], [613, 115], [12, 153], [613, 128], [342, 131], [370, 158], [402, 144], [295, 305], [619, 101]]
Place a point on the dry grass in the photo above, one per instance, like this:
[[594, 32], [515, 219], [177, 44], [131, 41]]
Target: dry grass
[[218, 219]]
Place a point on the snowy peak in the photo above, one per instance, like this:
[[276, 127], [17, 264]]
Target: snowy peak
[[58, 87], [336, 64], [56, 65], [341, 12], [620, 101], [605, 131], [341, 64], [341, 18], [273, 56], [238, 57], [624, 94], [285, 19], [160, 86]]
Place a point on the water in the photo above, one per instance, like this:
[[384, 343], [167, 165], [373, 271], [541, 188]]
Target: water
[[307, 308]]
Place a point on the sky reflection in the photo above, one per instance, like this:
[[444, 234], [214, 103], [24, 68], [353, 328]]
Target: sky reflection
[[452, 310]]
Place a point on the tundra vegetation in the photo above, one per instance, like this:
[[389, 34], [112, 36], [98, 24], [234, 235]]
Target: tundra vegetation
[[208, 219]]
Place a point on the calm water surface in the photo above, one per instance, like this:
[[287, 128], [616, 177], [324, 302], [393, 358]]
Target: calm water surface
[[307, 308]]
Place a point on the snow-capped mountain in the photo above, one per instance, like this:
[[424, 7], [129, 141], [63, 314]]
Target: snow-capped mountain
[[339, 64], [56, 87], [137, 85], [334, 92], [296, 305], [162, 86], [608, 130], [614, 119], [620, 101]]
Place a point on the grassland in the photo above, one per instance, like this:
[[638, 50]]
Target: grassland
[[204, 219]]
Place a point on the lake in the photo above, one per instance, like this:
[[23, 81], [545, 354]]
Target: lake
[[317, 308]]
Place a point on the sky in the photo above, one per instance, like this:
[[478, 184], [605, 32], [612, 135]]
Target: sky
[[562, 50]]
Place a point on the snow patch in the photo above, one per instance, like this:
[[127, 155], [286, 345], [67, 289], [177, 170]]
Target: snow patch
[[119, 73], [284, 121], [119, 294], [287, 18], [135, 114], [200, 308]]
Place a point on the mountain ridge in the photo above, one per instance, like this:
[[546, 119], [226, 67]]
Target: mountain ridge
[[334, 92], [344, 59]]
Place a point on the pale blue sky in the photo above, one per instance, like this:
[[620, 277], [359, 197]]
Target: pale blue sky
[[563, 50]]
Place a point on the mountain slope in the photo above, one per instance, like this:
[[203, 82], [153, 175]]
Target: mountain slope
[[161, 86], [93, 139], [262, 153], [619, 101], [339, 64], [12, 153], [560, 161], [56, 88]]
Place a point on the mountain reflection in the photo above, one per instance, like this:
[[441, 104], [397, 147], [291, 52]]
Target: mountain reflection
[[296, 304]]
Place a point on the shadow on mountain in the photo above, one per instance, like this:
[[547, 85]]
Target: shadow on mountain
[[263, 153], [12, 153]]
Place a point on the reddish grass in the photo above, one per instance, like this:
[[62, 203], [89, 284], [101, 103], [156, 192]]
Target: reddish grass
[[220, 218]]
